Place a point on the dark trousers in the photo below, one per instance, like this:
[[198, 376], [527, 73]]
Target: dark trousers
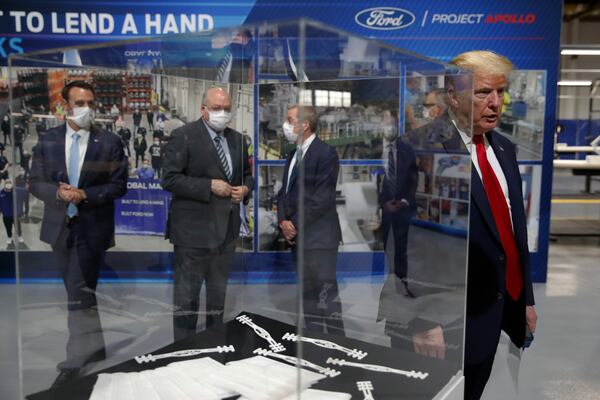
[[8, 225], [476, 377], [156, 166], [320, 292], [192, 267], [139, 155], [7, 138], [127, 149], [399, 228], [79, 266]]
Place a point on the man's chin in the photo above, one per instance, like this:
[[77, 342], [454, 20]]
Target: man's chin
[[486, 126]]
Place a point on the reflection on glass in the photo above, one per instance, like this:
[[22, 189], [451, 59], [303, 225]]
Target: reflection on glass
[[358, 266]]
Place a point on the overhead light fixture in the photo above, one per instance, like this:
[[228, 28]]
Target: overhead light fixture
[[574, 83], [580, 52]]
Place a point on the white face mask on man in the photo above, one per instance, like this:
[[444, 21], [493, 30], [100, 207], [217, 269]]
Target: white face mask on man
[[83, 117], [218, 120], [288, 132], [390, 133]]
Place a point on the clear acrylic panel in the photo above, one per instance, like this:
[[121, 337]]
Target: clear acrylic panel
[[335, 256]]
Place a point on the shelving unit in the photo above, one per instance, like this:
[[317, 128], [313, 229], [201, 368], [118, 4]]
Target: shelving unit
[[33, 84], [138, 91], [109, 89]]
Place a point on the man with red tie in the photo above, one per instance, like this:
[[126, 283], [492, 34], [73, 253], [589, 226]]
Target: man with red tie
[[499, 289]]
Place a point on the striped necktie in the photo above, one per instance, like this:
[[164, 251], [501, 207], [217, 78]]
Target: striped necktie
[[222, 67], [222, 156]]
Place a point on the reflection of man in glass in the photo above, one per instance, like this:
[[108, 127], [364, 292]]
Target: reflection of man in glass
[[434, 105], [207, 170], [396, 195], [78, 171], [320, 231]]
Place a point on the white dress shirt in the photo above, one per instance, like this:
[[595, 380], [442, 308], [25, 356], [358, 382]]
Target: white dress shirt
[[491, 156], [305, 145], [84, 137]]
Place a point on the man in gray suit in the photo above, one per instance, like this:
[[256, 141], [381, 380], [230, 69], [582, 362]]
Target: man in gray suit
[[207, 170]]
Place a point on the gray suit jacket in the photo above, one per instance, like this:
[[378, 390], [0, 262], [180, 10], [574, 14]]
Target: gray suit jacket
[[197, 217]]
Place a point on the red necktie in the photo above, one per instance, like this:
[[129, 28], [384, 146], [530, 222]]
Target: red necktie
[[495, 196]]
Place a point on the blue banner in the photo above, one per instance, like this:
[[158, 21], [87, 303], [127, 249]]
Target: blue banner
[[143, 210], [526, 31]]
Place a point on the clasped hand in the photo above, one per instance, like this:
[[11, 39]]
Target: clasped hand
[[224, 189], [70, 194]]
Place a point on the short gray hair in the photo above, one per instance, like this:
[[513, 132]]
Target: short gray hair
[[309, 114]]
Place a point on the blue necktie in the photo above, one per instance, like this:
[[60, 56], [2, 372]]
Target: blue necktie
[[73, 171]]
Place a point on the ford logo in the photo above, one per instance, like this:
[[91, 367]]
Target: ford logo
[[384, 18]]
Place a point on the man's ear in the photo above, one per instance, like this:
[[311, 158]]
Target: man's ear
[[453, 100]]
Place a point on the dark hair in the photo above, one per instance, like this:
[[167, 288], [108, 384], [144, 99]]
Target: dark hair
[[76, 84]]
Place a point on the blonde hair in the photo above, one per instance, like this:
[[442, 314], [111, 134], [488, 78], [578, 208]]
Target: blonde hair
[[483, 62]]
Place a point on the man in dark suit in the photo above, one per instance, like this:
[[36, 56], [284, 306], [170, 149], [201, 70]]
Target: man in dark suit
[[318, 233], [397, 188], [78, 171], [207, 170], [499, 288]]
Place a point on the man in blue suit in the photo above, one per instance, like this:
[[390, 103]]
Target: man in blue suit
[[319, 230], [78, 171], [499, 288]]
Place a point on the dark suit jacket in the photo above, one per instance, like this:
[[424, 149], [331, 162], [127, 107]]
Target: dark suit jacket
[[197, 217], [321, 222], [103, 177], [486, 281], [405, 188]]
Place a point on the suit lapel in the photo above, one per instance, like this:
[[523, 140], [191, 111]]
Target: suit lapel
[[293, 176], [235, 153], [305, 161], [60, 154], [480, 199], [91, 155], [453, 143], [514, 194]]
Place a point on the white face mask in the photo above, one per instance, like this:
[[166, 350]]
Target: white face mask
[[8, 186], [83, 117], [389, 133], [218, 120], [288, 132]]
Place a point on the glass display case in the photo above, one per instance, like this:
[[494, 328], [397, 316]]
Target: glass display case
[[314, 199]]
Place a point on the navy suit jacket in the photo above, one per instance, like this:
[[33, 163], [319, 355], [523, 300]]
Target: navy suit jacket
[[405, 188], [103, 177], [321, 222], [489, 310]]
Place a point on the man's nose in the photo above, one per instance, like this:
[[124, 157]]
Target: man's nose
[[495, 100]]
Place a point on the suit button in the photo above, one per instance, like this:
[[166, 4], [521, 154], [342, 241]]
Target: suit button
[[499, 296], [501, 257]]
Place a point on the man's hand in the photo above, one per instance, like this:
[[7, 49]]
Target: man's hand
[[289, 231], [430, 343], [393, 206], [238, 193], [530, 318], [70, 194], [220, 188]]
